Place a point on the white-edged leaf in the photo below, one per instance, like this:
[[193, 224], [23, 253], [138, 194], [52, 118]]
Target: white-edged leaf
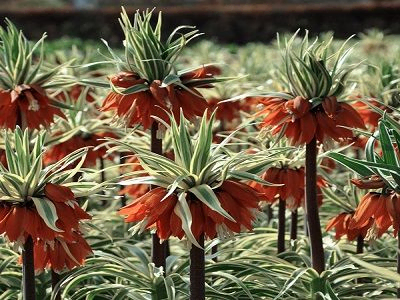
[[146, 180], [182, 210], [249, 176], [206, 195], [47, 211]]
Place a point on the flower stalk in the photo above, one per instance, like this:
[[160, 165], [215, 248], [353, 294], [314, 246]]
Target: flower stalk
[[197, 271], [314, 225], [293, 225], [281, 225], [28, 271], [158, 250], [360, 244], [55, 279]]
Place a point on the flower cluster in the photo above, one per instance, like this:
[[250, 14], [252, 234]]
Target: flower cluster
[[289, 186], [301, 122], [199, 192], [147, 83], [312, 108]]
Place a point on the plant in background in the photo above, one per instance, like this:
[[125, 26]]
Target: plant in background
[[85, 66], [83, 126], [199, 193], [378, 88], [347, 198], [227, 113], [287, 172], [24, 80]]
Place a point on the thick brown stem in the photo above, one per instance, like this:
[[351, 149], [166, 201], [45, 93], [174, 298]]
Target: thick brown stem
[[28, 270], [314, 225], [55, 279], [360, 244], [197, 271], [281, 225], [158, 250], [293, 225]]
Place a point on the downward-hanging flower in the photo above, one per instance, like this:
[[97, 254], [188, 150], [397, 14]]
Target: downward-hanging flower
[[19, 221], [134, 190], [347, 200], [382, 209], [369, 116], [60, 254], [36, 202], [147, 83], [343, 224], [78, 141], [24, 100], [200, 190], [289, 186], [379, 172], [312, 108], [226, 111]]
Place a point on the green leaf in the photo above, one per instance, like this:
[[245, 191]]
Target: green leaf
[[47, 211], [206, 195], [146, 180], [388, 150], [133, 89], [170, 79], [202, 145], [356, 165], [182, 210], [241, 175]]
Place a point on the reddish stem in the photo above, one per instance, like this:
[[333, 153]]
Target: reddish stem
[[158, 251], [314, 225], [28, 270], [293, 225], [281, 225], [197, 271]]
